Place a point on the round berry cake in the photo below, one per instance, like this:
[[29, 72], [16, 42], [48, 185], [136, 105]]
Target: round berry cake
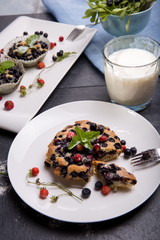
[[73, 159], [28, 49], [11, 74]]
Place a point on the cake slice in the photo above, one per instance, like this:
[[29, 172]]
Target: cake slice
[[115, 176]]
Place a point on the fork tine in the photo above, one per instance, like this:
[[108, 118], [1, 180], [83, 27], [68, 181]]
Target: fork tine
[[144, 162], [72, 33]]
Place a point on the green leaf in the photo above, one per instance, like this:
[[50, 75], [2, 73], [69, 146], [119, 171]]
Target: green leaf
[[22, 49], [30, 41], [83, 138], [6, 65]]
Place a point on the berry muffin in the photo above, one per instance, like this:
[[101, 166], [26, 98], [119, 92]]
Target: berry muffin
[[73, 150], [114, 176], [11, 74], [28, 50]]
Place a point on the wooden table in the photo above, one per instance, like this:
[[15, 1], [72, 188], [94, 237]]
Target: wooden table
[[18, 221]]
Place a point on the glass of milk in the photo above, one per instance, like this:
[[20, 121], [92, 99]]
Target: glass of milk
[[131, 68]]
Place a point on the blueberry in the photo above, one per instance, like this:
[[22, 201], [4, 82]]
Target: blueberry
[[36, 33], [109, 3], [127, 153], [86, 192], [123, 142], [133, 151], [25, 33], [98, 185], [41, 32], [45, 35], [100, 128], [60, 53], [93, 126]]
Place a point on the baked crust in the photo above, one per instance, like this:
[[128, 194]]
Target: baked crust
[[62, 160]]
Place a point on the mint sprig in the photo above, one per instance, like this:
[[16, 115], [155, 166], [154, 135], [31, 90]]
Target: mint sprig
[[83, 138], [100, 10], [30, 41], [6, 65]]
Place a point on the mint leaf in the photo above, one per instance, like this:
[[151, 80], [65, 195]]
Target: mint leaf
[[22, 49], [83, 138], [98, 9], [6, 65], [30, 41]]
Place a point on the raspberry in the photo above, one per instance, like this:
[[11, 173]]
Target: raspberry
[[70, 135], [77, 157], [40, 65], [0, 98], [105, 190], [96, 147], [79, 147], [61, 38], [123, 147], [8, 105], [103, 138], [52, 45]]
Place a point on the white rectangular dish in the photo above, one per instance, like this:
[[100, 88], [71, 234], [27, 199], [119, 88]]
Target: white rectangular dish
[[26, 107]]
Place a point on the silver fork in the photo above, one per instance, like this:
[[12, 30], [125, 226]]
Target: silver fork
[[146, 158], [76, 32]]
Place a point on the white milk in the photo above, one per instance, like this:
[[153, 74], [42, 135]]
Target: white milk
[[129, 84]]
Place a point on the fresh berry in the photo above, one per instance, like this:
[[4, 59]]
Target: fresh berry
[[40, 65], [127, 153], [41, 32], [45, 35], [98, 185], [96, 147], [133, 151], [54, 58], [105, 190], [8, 105], [25, 33], [123, 142], [86, 192], [79, 147], [70, 135], [93, 127], [77, 157], [22, 87], [60, 53], [103, 138], [34, 171], [40, 82], [52, 45], [43, 193], [0, 98], [123, 147], [61, 38]]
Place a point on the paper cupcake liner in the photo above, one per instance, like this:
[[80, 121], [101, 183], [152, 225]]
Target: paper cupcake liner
[[7, 88], [26, 63]]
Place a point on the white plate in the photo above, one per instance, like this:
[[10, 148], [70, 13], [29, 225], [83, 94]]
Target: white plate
[[26, 107], [30, 145]]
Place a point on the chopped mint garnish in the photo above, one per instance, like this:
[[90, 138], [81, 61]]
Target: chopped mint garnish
[[83, 138], [6, 65], [30, 41]]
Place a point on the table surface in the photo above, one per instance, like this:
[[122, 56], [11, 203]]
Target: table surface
[[19, 221]]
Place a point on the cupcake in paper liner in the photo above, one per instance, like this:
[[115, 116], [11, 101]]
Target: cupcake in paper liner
[[28, 49], [11, 74]]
